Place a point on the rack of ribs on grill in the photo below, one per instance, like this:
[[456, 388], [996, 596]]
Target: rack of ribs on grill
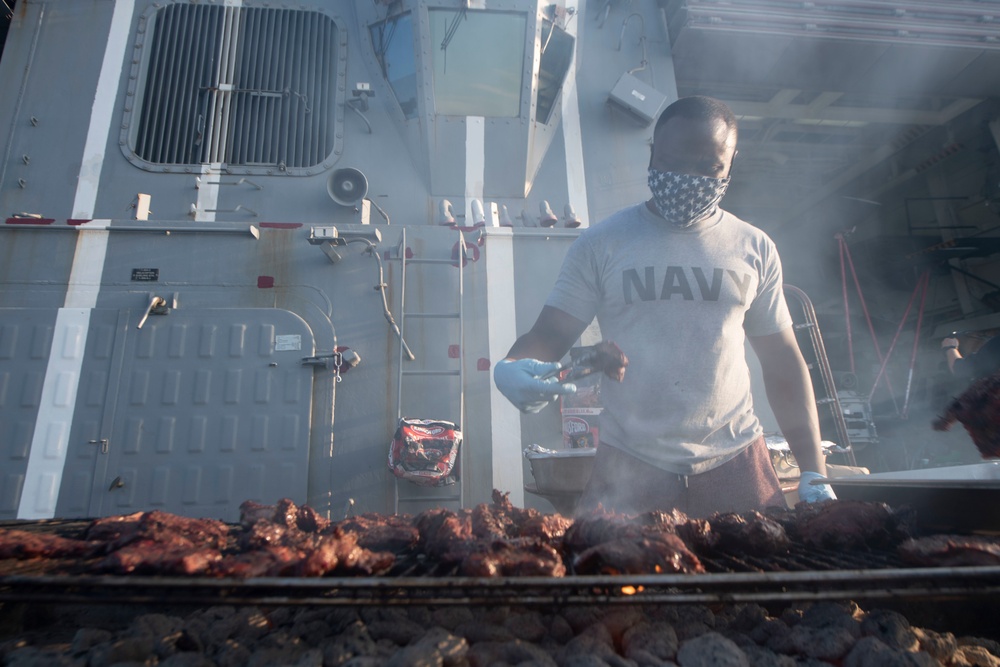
[[978, 410]]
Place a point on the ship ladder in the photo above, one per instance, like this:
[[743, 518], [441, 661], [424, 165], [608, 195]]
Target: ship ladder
[[418, 380]]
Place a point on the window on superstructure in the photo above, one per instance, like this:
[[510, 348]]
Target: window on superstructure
[[557, 53], [478, 62], [392, 41], [240, 86]]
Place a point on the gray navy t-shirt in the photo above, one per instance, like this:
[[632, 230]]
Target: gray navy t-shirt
[[678, 303]]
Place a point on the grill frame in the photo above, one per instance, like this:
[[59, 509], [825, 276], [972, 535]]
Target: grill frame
[[724, 588]]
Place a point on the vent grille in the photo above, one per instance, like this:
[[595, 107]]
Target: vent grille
[[241, 86]]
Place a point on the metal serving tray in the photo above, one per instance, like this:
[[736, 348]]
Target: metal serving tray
[[952, 499]]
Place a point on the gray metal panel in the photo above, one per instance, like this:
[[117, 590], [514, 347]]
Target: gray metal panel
[[49, 73], [25, 338], [208, 414], [86, 454]]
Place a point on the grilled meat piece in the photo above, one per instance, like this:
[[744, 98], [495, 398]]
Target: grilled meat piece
[[288, 552], [598, 527], [518, 558], [261, 535], [160, 528], [23, 544], [664, 553], [950, 551], [849, 524], [444, 535], [110, 528], [146, 556], [978, 410], [547, 527], [491, 522], [286, 513], [696, 533], [748, 533], [379, 532], [270, 561], [310, 521], [610, 360], [161, 543], [251, 512], [500, 519]]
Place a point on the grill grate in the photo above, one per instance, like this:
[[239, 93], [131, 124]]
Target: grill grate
[[800, 573]]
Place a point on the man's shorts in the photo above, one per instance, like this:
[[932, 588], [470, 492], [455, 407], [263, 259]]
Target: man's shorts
[[622, 483]]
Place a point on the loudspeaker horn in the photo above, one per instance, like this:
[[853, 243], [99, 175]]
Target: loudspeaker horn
[[347, 186]]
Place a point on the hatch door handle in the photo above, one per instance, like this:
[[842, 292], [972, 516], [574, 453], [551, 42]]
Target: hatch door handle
[[103, 442], [157, 306]]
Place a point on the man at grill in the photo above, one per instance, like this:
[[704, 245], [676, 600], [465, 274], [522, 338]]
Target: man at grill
[[679, 284]]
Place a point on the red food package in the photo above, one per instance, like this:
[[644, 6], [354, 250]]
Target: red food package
[[425, 451]]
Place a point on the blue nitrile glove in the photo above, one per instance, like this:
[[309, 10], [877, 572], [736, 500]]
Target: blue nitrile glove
[[814, 494], [521, 382]]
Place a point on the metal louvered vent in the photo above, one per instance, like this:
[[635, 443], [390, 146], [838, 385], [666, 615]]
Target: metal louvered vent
[[251, 87]]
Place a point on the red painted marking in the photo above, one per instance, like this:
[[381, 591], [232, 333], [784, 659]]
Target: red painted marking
[[454, 351], [30, 221], [280, 225], [265, 281], [76, 222], [483, 364]]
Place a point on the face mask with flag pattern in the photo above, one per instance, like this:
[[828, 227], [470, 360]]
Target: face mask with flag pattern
[[684, 199]]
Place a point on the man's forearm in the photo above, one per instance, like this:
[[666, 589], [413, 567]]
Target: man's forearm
[[531, 346], [792, 400], [553, 333]]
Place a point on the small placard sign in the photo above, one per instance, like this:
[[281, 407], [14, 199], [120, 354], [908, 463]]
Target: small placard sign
[[284, 342], [145, 275]]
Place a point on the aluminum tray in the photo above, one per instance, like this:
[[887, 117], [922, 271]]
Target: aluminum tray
[[562, 471], [953, 499]]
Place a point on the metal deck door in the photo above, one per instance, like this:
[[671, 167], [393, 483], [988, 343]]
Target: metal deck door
[[25, 339], [213, 409]]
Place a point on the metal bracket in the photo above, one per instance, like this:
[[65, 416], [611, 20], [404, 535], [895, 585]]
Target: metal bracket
[[103, 442], [329, 361]]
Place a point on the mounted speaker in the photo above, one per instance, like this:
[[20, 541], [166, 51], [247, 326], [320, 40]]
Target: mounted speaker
[[347, 186]]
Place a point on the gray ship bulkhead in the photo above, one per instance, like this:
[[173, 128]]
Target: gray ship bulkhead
[[247, 180], [188, 153]]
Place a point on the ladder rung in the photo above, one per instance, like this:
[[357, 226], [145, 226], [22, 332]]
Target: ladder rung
[[431, 372], [433, 315], [430, 260], [421, 499]]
